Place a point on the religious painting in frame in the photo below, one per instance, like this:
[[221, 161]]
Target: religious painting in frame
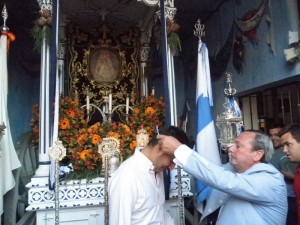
[[100, 61], [104, 65]]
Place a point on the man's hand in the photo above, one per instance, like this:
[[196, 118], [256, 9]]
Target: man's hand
[[168, 144]]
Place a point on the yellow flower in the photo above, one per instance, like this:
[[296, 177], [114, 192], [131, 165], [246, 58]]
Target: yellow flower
[[82, 138], [85, 153], [113, 134], [70, 113], [126, 128], [150, 110], [96, 139], [136, 111], [64, 124], [132, 145]]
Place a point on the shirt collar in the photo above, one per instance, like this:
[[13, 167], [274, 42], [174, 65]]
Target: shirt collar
[[145, 163]]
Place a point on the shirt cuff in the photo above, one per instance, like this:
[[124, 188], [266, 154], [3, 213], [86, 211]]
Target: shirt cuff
[[182, 154]]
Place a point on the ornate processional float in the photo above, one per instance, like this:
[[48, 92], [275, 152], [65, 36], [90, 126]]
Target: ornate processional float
[[59, 201]]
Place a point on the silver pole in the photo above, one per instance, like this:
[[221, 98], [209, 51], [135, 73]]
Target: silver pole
[[57, 152]]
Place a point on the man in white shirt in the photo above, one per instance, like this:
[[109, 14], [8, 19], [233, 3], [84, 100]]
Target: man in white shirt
[[136, 190]]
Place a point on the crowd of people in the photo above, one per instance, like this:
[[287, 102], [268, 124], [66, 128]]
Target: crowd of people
[[259, 184]]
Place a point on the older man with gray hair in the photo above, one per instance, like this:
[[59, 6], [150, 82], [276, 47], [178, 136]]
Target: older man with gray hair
[[248, 189]]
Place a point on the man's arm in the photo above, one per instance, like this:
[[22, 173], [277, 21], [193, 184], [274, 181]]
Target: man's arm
[[254, 186]]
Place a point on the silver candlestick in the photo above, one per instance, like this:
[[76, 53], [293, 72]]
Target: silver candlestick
[[57, 152], [106, 108], [109, 148]]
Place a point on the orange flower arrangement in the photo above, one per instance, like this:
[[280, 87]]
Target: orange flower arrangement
[[82, 140], [148, 114]]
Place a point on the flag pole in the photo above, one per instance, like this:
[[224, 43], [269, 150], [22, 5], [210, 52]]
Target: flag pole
[[164, 47], [206, 134]]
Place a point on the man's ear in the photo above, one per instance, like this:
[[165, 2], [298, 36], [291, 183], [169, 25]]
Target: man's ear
[[258, 155], [158, 148]]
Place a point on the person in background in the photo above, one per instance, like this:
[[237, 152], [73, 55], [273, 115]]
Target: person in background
[[248, 189], [136, 190], [290, 138], [281, 162]]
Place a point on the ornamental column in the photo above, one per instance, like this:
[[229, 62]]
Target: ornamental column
[[44, 123]]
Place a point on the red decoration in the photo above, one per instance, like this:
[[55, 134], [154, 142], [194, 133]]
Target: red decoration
[[250, 21], [10, 38], [251, 34], [239, 52]]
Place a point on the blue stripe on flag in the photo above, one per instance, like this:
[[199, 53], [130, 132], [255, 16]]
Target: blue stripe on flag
[[205, 118]]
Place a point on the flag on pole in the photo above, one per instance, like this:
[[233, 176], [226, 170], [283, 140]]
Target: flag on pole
[[206, 141], [9, 160]]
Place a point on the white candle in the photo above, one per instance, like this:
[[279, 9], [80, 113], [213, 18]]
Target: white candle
[[103, 109], [110, 102], [88, 103], [153, 91], [127, 105]]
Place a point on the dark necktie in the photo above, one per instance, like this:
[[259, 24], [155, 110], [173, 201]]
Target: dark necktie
[[167, 181]]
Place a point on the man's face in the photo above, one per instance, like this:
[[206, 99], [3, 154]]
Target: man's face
[[241, 155], [273, 134], [291, 147], [164, 161]]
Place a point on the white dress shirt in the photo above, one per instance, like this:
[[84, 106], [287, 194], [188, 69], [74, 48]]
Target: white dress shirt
[[136, 194]]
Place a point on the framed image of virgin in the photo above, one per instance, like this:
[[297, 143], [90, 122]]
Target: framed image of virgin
[[101, 61], [104, 65]]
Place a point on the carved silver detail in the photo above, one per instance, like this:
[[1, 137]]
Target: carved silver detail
[[199, 29], [61, 51], [170, 13], [57, 151], [180, 197], [45, 4], [110, 147], [144, 53], [4, 15], [229, 91]]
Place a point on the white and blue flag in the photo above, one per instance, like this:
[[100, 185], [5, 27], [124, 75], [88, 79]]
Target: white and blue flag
[[9, 160], [206, 141]]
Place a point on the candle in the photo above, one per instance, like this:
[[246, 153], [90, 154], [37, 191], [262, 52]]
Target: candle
[[110, 102], [153, 91], [127, 104], [103, 109], [88, 103]]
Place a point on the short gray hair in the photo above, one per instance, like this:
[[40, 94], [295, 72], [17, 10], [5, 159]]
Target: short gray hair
[[263, 142]]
